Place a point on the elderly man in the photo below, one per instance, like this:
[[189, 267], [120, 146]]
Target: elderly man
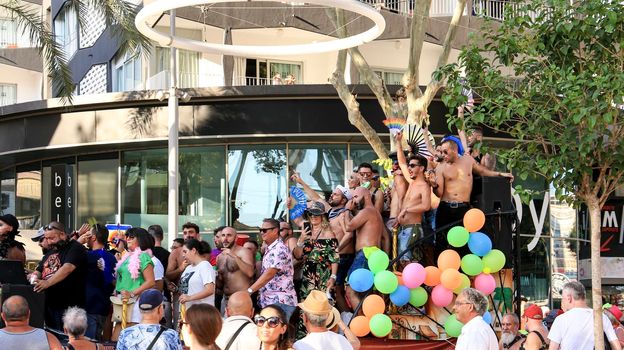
[[18, 334], [538, 334], [316, 311], [476, 334], [574, 328], [510, 338], [140, 336], [238, 331]]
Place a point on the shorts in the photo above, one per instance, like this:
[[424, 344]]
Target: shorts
[[343, 268], [359, 262], [408, 236]]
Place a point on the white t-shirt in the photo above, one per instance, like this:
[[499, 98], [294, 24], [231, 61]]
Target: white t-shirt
[[194, 279], [574, 329], [477, 335], [247, 339], [323, 341], [159, 269]]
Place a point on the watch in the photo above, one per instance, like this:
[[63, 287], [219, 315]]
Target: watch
[[250, 291]]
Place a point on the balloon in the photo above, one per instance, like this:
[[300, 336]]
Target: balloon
[[413, 275], [378, 261], [373, 305], [451, 326], [361, 280], [380, 325], [474, 220], [479, 243], [441, 296], [386, 282], [418, 297], [471, 265], [433, 276], [401, 296], [359, 326], [465, 283], [485, 283], [458, 236], [449, 259], [450, 279], [493, 261], [487, 317]]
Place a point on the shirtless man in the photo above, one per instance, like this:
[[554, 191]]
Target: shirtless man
[[236, 266], [368, 225], [452, 182], [417, 200]]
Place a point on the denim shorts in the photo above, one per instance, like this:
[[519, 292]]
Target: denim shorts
[[359, 262]]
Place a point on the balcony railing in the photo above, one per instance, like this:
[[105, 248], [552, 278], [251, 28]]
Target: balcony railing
[[160, 81], [499, 9], [439, 8]]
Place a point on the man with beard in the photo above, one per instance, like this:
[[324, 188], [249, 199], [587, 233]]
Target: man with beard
[[368, 226], [510, 338], [417, 201], [236, 267], [9, 247], [62, 274]]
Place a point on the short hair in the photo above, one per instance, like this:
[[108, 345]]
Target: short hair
[[191, 225], [477, 299], [513, 316], [451, 143], [364, 165], [273, 222], [206, 248], [75, 321], [195, 244], [156, 231], [477, 130], [101, 234], [575, 289], [205, 322], [422, 161], [316, 319], [219, 229], [179, 241], [254, 243], [143, 238], [15, 308]]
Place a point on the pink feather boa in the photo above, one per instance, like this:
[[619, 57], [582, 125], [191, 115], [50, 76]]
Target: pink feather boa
[[134, 265]]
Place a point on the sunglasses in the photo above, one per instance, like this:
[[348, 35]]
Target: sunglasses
[[413, 165], [51, 227], [265, 230], [273, 321]]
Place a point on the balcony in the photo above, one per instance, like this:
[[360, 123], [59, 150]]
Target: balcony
[[498, 9], [439, 8], [160, 81]]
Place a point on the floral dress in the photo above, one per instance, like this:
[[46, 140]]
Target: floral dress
[[318, 257]]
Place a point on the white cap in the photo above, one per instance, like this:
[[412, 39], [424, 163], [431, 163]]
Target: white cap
[[345, 191]]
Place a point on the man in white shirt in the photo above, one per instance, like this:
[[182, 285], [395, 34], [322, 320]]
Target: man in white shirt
[[316, 311], [574, 329], [476, 333], [238, 331]]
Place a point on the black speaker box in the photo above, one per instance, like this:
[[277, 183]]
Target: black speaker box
[[36, 301]]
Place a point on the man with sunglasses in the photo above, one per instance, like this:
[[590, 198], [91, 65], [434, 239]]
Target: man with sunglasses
[[476, 334], [235, 266], [62, 274], [275, 283]]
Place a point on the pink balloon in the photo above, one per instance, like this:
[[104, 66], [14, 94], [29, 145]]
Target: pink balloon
[[485, 283], [441, 296], [414, 275]]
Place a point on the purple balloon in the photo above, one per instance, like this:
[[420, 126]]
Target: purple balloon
[[441, 296], [485, 283], [413, 275]]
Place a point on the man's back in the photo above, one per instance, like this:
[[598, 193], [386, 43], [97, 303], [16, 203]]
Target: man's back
[[34, 339], [139, 337], [323, 341], [574, 329], [246, 339]]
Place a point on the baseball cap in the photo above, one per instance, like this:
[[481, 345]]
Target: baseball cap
[[534, 312], [615, 311], [345, 191], [316, 208], [39, 235], [150, 299]]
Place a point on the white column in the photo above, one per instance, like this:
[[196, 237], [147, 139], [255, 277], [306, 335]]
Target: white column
[[172, 124]]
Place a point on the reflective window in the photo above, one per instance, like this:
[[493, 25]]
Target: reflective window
[[28, 196], [320, 166], [361, 153], [97, 191], [8, 94], [257, 184], [66, 31], [7, 190], [535, 270]]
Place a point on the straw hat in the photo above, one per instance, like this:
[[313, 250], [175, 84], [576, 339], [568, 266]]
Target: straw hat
[[316, 303]]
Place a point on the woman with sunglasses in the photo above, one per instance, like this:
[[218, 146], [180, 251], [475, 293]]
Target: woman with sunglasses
[[272, 329], [201, 327], [318, 247]]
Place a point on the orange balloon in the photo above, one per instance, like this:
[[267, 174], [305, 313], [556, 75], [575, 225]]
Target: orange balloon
[[373, 305], [451, 279], [449, 259], [360, 326], [399, 277], [474, 219], [432, 278]]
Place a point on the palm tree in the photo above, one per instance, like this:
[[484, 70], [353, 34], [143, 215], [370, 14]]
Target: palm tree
[[118, 14]]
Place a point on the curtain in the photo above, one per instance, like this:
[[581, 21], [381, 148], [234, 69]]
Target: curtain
[[238, 73]]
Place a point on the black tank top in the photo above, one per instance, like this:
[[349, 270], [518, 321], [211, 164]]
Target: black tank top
[[542, 347]]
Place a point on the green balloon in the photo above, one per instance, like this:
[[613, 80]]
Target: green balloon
[[380, 325], [418, 297], [378, 261], [471, 264], [493, 261], [458, 236], [465, 284], [452, 326], [386, 282]]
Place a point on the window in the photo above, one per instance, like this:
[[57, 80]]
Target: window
[[66, 31], [127, 76], [390, 77], [268, 72], [8, 94], [188, 66], [320, 166], [7, 189], [28, 196], [97, 190], [8, 33]]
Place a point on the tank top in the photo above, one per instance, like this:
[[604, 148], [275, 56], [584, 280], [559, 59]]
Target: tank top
[[544, 346], [35, 339]]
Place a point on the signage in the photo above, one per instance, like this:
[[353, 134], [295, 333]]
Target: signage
[[62, 195]]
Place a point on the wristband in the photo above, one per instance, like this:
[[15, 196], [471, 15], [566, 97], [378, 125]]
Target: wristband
[[333, 277], [300, 245]]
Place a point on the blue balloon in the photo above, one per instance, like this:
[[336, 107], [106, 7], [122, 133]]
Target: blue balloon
[[479, 243], [487, 317], [361, 280], [400, 296]]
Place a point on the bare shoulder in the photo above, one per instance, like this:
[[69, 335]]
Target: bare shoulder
[[54, 343]]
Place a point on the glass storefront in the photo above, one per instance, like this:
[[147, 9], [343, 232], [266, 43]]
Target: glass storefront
[[97, 191], [7, 189], [28, 196]]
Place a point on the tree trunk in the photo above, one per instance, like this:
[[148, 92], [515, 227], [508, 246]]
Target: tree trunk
[[596, 270]]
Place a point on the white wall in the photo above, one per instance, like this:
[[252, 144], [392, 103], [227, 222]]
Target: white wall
[[28, 82]]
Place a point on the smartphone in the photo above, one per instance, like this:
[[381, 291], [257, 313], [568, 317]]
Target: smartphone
[[307, 226]]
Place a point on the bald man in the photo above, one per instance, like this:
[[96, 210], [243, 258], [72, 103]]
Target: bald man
[[238, 328], [236, 266], [18, 334]]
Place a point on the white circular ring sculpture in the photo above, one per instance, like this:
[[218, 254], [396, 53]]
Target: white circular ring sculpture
[[159, 6]]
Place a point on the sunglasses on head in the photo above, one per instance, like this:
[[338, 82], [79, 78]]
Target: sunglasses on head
[[51, 227], [265, 230], [273, 321]]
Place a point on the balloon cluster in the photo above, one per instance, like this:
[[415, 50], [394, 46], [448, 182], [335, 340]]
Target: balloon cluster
[[444, 280]]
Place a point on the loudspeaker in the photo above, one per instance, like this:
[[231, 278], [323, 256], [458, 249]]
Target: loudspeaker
[[36, 301]]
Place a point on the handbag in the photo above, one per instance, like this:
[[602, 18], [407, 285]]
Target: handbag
[[118, 308]]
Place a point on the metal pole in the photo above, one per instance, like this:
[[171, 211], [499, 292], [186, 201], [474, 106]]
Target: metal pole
[[172, 124]]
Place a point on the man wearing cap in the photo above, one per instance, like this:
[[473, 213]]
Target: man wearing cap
[[316, 312], [235, 265], [615, 315], [469, 305], [510, 337], [10, 249], [537, 338], [140, 336]]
